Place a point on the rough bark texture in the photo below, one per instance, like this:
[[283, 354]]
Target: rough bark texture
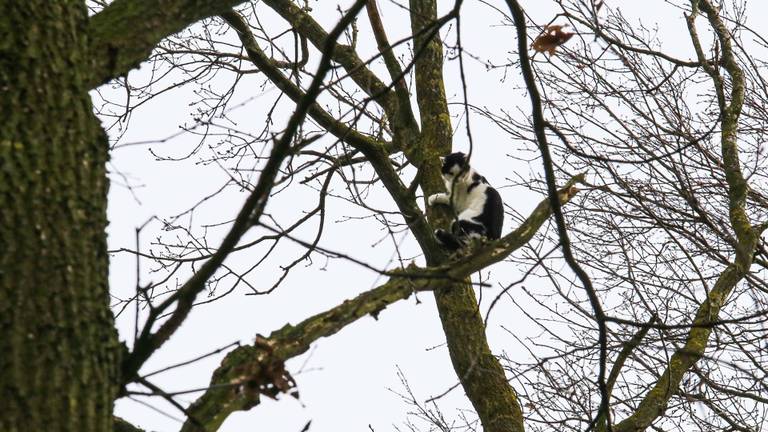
[[59, 346], [125, 32]]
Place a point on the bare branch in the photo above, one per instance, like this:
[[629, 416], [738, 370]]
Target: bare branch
[[124, 33], [249, 215], [393, 67], [303, 23], [375, 151], [539, 125], [236, 383]]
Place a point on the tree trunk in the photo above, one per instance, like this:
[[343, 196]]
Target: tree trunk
[[58, 345]]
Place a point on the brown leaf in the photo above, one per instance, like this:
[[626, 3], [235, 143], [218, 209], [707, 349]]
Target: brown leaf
[[552, 37], [266, 375], [275, 379]]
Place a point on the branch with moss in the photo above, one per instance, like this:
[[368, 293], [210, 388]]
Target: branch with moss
[[655, 401], [272, 71], [737, 185], [124, 33], [120, 425], [376, 152], [149, 341], [249, 372], [303, 23], [406, 119]]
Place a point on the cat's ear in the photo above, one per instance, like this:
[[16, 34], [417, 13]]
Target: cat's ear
[[442, 159]]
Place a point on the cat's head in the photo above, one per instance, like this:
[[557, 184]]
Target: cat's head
[[453, 164]]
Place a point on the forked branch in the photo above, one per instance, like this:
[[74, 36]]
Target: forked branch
[[248, 216], [248, 372]]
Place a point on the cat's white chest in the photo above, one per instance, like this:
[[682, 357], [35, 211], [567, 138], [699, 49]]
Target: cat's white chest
[[463, 199]]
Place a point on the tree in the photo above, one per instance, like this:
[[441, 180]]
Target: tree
[[653, 263]]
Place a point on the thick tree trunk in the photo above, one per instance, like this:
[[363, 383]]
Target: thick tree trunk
[[58, 345], [479, 371]]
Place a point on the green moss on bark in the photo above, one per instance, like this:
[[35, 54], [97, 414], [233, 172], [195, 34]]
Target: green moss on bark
[[59, 347], [480, 373]]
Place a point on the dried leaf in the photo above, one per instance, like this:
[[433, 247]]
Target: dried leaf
[[275, 379], [266, 375], [552, 37]]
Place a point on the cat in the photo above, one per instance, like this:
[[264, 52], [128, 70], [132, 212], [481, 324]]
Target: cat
[[478, 206]]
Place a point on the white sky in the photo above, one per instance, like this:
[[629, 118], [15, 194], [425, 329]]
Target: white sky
[[347, 378]]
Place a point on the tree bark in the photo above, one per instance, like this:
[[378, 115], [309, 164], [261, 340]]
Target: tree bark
[[479, 371], [124, 33], [58, 368]]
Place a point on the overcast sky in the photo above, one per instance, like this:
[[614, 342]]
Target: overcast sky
[[351, 380]]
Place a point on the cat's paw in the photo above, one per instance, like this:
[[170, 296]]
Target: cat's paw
[[447, 240], [437, 198]]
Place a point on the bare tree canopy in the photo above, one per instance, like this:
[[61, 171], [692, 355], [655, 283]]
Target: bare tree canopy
[[627, 291]]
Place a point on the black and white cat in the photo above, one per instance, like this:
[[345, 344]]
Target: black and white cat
[[477, 204]]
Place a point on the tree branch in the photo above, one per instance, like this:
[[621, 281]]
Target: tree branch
[[124, 34], [254, 206], [266, 65], [376, 152], [614, 41], [246, 372], [629, 346], [539, 126], [405, 111], [737, 185], [654, 403], [345, 55], [120, 425]]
